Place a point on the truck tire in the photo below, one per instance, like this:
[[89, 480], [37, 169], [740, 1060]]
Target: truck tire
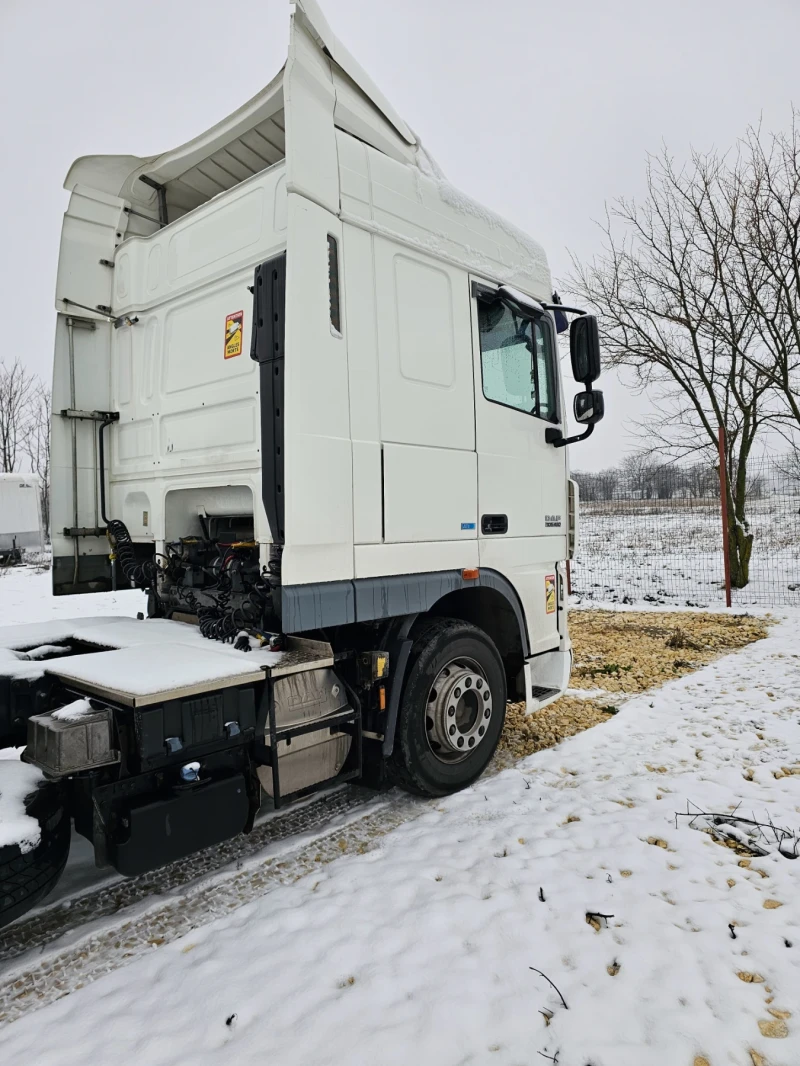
[[452, 708], [27, 877]]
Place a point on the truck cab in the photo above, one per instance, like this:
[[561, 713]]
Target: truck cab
[[308, 395]]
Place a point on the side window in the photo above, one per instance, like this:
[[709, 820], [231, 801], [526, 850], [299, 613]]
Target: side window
[[517, 361], [333, 284]]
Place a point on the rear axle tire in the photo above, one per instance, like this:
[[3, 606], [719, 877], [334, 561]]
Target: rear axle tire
[[452, 708], [26, 877]]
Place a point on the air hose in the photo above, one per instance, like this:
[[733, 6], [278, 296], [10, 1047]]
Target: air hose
[[216, 622], [141, 574]]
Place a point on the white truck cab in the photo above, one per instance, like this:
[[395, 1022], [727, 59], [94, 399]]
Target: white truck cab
[[310, 393]]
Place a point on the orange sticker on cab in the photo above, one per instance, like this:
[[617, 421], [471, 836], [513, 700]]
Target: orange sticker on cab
[[550, 593], [234, 330]]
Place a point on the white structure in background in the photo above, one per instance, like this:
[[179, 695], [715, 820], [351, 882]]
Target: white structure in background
[[20, 515]]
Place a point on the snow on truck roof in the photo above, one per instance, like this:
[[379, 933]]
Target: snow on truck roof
[[254, 137]]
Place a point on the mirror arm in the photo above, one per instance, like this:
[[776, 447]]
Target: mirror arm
[[558, 440]]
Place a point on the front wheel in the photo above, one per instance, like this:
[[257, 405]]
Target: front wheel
[[452, 708]]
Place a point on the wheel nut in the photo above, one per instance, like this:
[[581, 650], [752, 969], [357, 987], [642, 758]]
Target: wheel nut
[[461, 742], [486, 713], [486, 694], [468, 683], [457, 693], [479, 683], [451, 711], [481, 731], [451, 730], [471, 741]]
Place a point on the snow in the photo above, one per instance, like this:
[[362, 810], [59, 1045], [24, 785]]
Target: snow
[[94, 622], [425, 161], [26, 596], [73, 712], [121, 632], [17, 780], [426, 946], [45, 651], [149, 668], [521, 298]]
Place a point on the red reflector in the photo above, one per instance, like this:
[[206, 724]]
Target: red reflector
[[470, 574]]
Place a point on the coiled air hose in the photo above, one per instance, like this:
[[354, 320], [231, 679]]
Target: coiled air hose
[[141, 574], [217, 622]]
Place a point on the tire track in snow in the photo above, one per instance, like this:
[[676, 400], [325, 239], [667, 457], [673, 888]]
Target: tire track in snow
[[44, 926], [100, 953]]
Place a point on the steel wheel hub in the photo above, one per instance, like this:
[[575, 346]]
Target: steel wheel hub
[[459, 710]]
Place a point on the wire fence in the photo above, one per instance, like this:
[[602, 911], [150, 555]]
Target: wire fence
[[655, 535]]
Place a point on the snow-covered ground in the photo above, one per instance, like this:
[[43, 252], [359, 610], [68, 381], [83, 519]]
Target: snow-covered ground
[[424, 942], [26, 596]]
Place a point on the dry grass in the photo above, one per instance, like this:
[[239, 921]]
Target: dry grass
[[630, 651], [526, 733], [624, 653]]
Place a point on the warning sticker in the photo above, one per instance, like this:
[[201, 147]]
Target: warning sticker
[[234, 328], [550, 593]]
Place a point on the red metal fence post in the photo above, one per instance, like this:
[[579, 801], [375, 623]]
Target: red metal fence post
[[723, 496]]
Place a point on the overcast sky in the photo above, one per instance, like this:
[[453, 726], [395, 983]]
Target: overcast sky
[[542, 111]]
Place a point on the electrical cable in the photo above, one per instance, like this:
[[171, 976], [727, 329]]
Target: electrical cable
[[218, 620]]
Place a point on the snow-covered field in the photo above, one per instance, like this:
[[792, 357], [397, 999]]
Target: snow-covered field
[[670, 552], [422, 941], [25, 596]]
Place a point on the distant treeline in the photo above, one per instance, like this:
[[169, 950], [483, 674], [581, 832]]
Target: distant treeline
[[641, 476]]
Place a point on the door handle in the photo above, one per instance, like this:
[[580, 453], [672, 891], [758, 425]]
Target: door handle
[[494, 523]]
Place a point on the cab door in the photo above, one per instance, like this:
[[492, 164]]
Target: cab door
[[522, 480]]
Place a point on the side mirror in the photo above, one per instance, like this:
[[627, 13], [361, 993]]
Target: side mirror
[[588, 407], [584, 349]]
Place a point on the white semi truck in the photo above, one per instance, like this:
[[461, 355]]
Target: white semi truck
[[307, 395]]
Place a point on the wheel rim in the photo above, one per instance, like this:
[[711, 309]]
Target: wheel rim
[[459, 710]]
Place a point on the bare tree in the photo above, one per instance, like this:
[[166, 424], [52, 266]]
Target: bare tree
[[607, 482], [789, 466], [701, 480], [647, 477], [667, 480], [638, 469], [17, 386], [585, 484], [599, 486], [763, 189], [670, 312], [36, 444]]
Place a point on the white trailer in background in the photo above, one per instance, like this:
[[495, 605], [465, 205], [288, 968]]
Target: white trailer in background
[[310, 394], [20, 516]]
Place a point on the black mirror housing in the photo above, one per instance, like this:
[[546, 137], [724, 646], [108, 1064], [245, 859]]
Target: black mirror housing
[[588, 407], [584, 349]]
